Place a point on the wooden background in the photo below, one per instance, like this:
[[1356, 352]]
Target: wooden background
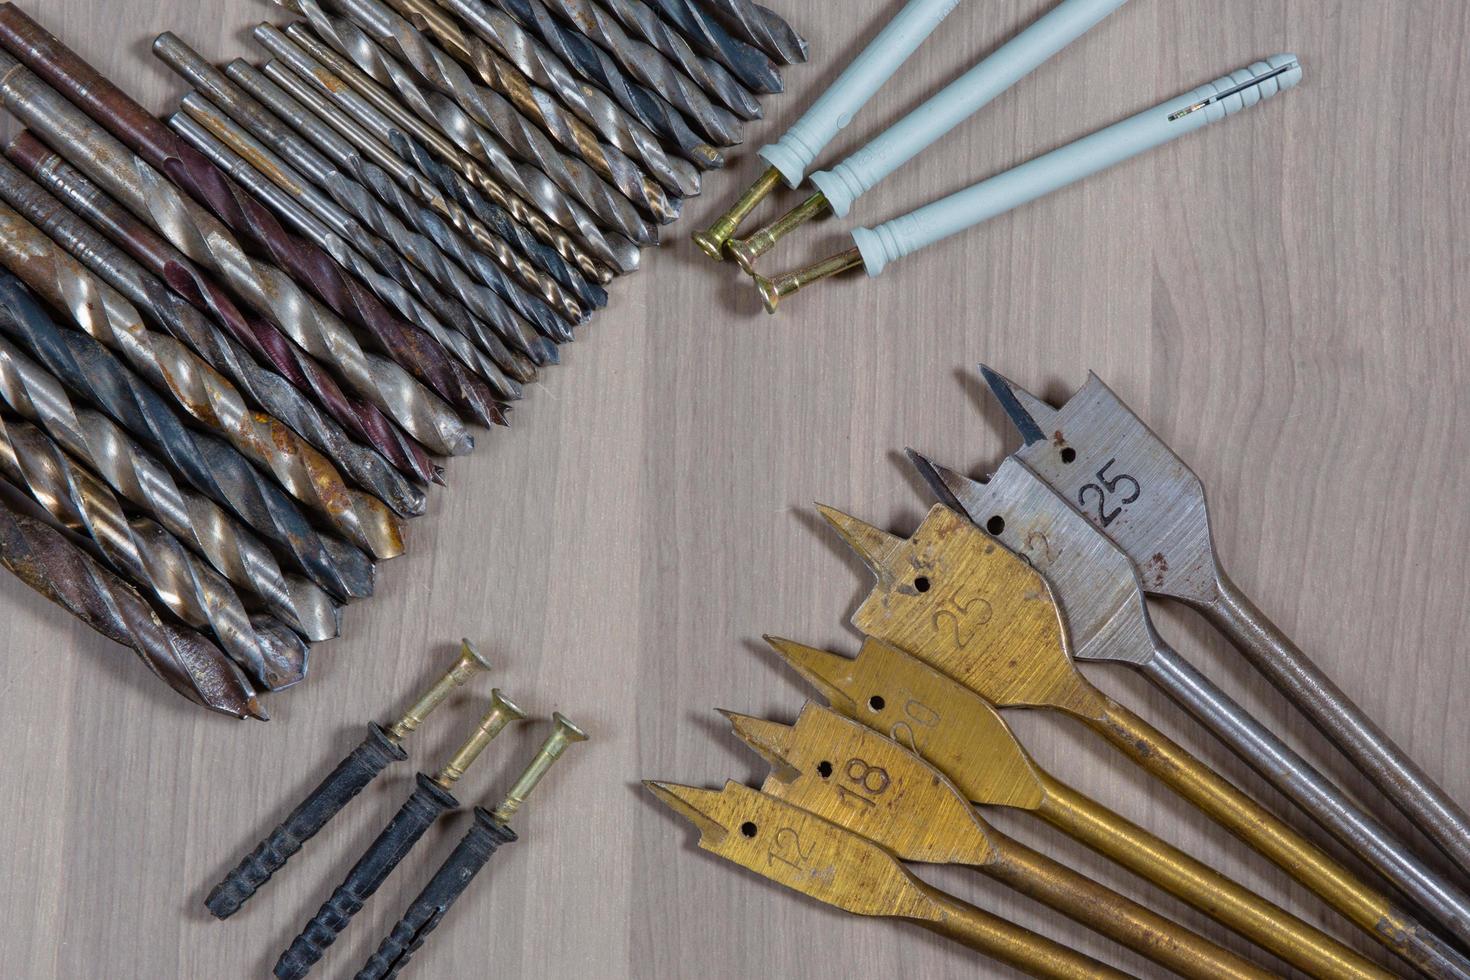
[[1282, 297]]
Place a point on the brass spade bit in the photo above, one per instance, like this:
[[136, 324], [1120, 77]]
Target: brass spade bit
[[817, 858], [1095, 452], [958, 733], [957, 599], [1101, 595], [874, 787]]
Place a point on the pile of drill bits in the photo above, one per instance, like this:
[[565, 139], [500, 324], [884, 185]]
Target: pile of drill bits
[[430, 800], [235, 342], [1006, 583]]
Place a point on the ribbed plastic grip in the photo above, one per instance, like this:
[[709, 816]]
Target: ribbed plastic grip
[[485, 835], [1052, 171], [859, 81], [352, 774], [415, 817]]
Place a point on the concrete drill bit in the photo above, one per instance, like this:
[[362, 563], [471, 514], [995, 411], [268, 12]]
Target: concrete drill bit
[[359, 417], [599, 68], [749, 63], [47, 112], [149, 556], [157, 359], [709, 74], [43, 558], [209, 465], [477, 155], [530, 73], [145, 483], [762, 27], [451, 105]]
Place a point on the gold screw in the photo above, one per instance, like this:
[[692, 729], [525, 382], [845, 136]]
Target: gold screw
[[562, 735], [502, 712], [746, 250], [774, 290], [712, 240], [470, 663]]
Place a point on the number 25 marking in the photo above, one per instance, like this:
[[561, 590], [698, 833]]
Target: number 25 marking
[[1105, 486]]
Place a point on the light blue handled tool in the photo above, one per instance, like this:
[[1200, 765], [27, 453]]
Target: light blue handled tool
[[790, 155], [876, 247], [839, 187]]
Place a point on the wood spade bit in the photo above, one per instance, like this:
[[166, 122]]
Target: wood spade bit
[[351, 776], [1101, 595], [1096, 452], [958, 732], [808, 854], [428, 802], [957, 599], [874, 787]]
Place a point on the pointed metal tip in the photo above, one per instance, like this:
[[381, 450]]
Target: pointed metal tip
[[1020, 406], [436, 474], [767, 738], [872, 544], [254, 709], [686, 801], [815, 667], [935, 477]]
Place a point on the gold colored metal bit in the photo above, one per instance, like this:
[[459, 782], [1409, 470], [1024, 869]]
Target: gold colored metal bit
[[502, 712], [958, 600], [745, 251], [712, 240], [563, 735], [470, 663], [820, 859]]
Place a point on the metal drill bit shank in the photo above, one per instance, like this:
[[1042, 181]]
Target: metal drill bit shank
[[749, 63], [764, 28], [709, 74]]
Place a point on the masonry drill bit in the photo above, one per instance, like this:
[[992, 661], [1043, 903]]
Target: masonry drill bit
[[151, 558], [442, 125], [488, 832], [350, 777], [872, 786], [599, 68], [762, 27], [952, 596], [749, 63], [42, 557], [710, 75], [961, 735], [208, 464], [813, 856], [417, 351], [431, 800]]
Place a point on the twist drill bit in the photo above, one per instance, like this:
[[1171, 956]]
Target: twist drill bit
[[189, 286], [208, 464], [47, 112], [599, 68], [431, 800], [147, 484], [749, 63], [201, 392], [42, 557], [149, 556], [264, 387], [710, 75], [442, 125], [762, 27], [350, 777], [488, 832]]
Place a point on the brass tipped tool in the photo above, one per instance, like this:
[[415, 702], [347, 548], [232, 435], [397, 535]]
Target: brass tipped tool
[[957, 599], [429, 801], [351, 776], [563, 735], [712, 240], [773, 291], [745, 251], [837, 867]]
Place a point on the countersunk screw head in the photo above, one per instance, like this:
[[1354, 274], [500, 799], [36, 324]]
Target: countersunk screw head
[[470, 663], [563, 734], [502, 712]]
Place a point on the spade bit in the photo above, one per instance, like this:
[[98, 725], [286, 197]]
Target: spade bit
[[1096, 452], [874, 787], [957, 599], [957, 732], [805, 853], [1101, 596]]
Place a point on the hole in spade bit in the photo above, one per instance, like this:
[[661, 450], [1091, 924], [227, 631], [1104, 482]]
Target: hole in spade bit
[[824, 769], [748, 829], [876, 702], [922, 583], [1068, 454], [996, 525]]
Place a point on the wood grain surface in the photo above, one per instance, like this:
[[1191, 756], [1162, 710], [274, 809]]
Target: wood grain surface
[[1282, 297]]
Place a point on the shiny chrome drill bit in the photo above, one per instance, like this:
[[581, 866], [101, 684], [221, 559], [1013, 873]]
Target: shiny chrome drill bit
[[264, 339], [144, 482], [208, 464], [749, 63], [149, 556], [43, 558], [50, 114], [203, 394], [599, 68], [709, 74], [762, 27], [440, 124]]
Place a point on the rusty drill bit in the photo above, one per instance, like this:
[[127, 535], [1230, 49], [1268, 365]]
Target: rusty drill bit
[[146, 483], [749, 63], [149, 556], [710, 75], [208, 464], [442, 125], [762, 27], [47, 112], [202, 393], [187, 282], [596, 66], [529, 73], [43, 558]]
